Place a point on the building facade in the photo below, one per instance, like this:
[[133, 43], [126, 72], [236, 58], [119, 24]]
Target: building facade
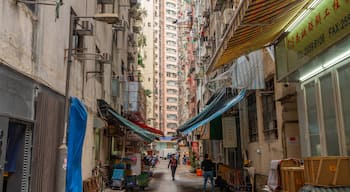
[[34, 55], [169, 98]]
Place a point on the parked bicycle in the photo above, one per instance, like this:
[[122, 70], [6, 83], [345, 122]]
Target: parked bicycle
[[102, 179]]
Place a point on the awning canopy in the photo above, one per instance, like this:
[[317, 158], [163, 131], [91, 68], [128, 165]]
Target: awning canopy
[[148, 128], [212, 111], [108, 112], [255, 24]]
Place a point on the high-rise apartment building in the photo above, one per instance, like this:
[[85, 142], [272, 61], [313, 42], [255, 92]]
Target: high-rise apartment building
[[148, 60], [169, 95]]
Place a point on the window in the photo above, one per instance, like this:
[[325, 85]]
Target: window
[[78, 43], [171, 91], [149, 24], [171, 108], [171, 50], [171, 5], [170, 42], [329, 115], [123, 68], [311, 112], [344, 79], [170, 27], [170, 19], [98, 67], [171, 83], [171, 116], [171, 75], [169, 34], [171, 58], [171, 99], [31, 6], [171, 66], [171, 125], [252, 118], [269, 111], [170, 12]]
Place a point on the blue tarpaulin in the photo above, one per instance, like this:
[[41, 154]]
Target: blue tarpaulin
[[76, 134]]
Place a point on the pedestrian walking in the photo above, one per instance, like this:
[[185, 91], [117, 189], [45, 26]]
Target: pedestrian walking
[[208, 166], [173, 165]]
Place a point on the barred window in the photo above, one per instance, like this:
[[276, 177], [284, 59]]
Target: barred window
[[252, 118], [269, 111]]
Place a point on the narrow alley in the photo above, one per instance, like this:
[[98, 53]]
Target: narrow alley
[[161, 181], [94, 93]]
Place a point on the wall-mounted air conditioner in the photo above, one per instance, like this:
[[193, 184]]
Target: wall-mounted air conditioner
[[119, 25]]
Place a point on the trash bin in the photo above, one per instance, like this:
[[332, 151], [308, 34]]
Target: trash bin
[[199, 172]]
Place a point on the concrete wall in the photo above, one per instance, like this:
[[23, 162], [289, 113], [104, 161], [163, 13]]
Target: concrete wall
[[263, 151], [147, 53], [35, 44]]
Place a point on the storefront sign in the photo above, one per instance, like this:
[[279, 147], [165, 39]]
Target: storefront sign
[[326, 24]]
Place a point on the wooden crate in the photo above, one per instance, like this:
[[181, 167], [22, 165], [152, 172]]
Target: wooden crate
[[327, 171], [292, 178]]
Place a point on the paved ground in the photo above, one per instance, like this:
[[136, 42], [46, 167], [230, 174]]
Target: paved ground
[[184, 180]]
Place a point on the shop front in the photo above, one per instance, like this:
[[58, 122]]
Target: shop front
[[316, 53]]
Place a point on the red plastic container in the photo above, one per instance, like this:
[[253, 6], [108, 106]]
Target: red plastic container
[[199, 172]]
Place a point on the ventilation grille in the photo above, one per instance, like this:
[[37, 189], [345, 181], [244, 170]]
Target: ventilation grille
[[26, 160]]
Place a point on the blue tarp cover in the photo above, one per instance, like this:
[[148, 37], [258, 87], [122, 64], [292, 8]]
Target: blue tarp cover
[[76, 134]]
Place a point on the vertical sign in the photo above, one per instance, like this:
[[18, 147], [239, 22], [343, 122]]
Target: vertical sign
[[195, 148], [229, 132]]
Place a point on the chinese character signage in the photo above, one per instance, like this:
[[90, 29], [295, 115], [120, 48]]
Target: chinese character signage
[[328, 23]]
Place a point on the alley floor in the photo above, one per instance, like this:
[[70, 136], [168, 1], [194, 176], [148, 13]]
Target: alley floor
[[184, 180]]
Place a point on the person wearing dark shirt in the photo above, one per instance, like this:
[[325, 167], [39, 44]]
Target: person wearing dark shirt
[[208, 166], [173, 165]]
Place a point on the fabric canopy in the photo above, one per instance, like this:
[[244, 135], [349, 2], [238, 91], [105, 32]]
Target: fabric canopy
[[213, 101], [212, 112], [109, 113], [255, 24], [147, 136], [148, 128]]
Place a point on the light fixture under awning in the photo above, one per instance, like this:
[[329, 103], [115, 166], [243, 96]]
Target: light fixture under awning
[[255, 24]]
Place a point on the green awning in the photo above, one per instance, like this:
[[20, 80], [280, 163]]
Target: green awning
[[107, 112], [149, 137]]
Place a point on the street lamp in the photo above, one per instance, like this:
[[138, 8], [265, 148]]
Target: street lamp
[[109, 18]]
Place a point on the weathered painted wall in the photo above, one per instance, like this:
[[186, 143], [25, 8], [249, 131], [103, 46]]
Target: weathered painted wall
[[36, 44]]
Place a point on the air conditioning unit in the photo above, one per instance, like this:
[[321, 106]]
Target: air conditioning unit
[[228, 14], [106, 58], [119, 25], [85, 29]]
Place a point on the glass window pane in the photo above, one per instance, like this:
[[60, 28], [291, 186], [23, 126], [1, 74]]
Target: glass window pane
[[329, 116], [314, 131], [344, 79]]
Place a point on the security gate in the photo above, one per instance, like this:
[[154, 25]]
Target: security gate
[[4, 121]]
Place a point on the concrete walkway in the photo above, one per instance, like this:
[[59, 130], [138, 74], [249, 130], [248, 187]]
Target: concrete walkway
[[184, 180]]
